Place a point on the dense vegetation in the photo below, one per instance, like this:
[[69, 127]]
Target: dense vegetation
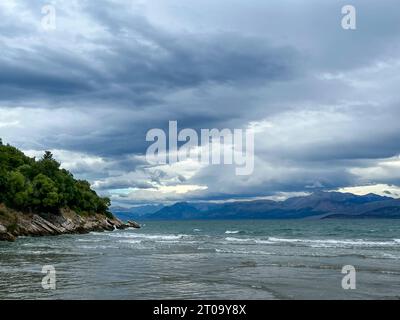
[[31, 185]]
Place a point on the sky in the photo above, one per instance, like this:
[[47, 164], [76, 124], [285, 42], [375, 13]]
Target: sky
[[323, 101]]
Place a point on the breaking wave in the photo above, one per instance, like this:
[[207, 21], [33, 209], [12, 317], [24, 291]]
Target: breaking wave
[[329, 243]]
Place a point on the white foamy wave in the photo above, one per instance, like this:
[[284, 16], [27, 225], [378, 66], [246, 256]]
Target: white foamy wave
[[263, 241], [169, 241], [334, 242], [257, 252], [130, 241], [239, 239], [153, 237], [96, 247], [318, 243], [95, 233], [389, 256], [88, 240], [232, 231], [35, 252], [248, 240]]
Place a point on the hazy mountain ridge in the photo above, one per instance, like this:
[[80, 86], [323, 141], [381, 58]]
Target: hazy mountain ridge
[[317, 205], [138, 212]]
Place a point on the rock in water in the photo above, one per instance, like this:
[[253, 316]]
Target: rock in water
[[5, 235], [134, 224]]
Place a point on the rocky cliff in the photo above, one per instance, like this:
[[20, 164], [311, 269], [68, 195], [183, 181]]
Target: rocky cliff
[[14, 224]]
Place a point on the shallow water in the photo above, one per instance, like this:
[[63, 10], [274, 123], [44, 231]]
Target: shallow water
[[210, 260]]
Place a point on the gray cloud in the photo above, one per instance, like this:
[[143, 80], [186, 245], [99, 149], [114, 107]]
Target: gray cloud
[[326, 99]]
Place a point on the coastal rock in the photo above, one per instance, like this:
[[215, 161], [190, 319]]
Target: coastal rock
[[133, 224], [16, 224], [5, 235]]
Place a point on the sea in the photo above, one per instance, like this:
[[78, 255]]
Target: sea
[[242, 259]]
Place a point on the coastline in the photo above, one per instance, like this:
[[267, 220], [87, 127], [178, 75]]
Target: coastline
[[14, 224]]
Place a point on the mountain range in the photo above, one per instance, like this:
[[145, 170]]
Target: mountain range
[[319, 205]]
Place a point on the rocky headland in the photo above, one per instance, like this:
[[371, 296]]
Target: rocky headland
[[14, 224]]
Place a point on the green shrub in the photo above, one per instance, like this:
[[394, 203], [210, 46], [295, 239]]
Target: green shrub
[[32, 185]]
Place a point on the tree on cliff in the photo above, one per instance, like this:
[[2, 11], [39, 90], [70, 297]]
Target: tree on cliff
[[41, 186]]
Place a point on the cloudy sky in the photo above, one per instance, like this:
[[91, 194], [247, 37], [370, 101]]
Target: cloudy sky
[[323, 101]]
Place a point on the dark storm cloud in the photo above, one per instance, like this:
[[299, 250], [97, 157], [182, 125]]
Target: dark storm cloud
[[112, 71], [131, 70], [19, 79], [139, 63]]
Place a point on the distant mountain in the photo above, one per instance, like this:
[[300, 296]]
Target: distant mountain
[[135, 213], [319, 205]]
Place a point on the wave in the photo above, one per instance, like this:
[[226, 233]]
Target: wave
[[153, 237], [313, 254], [336, 242], [96, 233], [263, 241], [96, 247], [89, 240], [388, 256], [130, 241], [247, 240], [317, 243], [239, 239], [243, 252]]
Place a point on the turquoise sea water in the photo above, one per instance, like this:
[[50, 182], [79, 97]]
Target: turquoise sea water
[[210, 260]]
